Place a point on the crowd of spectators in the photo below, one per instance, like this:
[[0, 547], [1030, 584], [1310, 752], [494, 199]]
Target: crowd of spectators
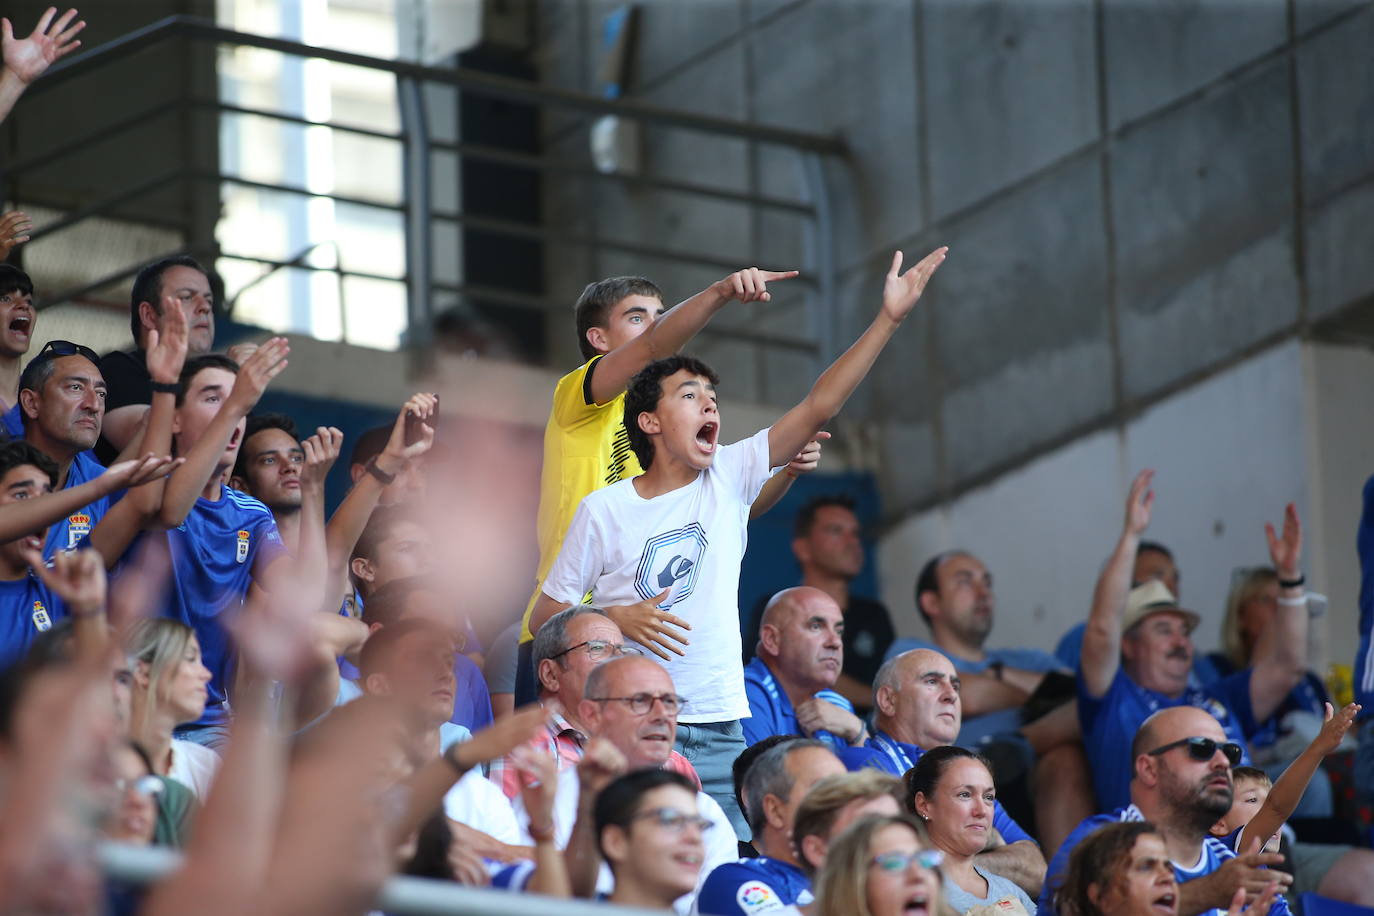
[[193, 656]]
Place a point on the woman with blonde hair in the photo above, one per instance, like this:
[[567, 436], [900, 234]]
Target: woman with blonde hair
[[169, 689], [879, 867]]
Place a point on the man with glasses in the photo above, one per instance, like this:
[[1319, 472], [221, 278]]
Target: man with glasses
[[631, 704], [1138, 653], [566, 649], [1181, 783]]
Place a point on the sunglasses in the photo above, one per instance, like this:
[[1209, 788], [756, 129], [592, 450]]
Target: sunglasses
[[56, 348], [1203, 749], [901, 861]]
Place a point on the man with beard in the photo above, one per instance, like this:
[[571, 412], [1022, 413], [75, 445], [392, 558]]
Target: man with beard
[[1181, 783], [1138, 653], [269, 470], [789, 682]]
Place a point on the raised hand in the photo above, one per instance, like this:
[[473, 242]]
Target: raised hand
[[1140, 503], [751, 284], [77, 577], [240, 352], [422, 406], [901, 290], [321, 451], [137, 471], [1334, 728], [1252, 873], [1286, 552], [809, 457], [503, 736], [538, 784], [27, 58], [601, 762], [647, 625], [14, 231], [1261, 905], [257, 372], [167, 342]]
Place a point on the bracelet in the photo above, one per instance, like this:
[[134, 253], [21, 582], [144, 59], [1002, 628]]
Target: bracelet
[[1293, 583], [385, 478], [451, 758], [165, 387], [540, 834], [791, 473], [1293, 602]]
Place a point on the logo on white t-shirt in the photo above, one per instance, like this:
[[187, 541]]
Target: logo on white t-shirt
[[671, 560]]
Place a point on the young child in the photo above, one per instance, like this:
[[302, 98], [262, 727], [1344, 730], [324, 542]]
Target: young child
[[1258, 809], [662, 551]]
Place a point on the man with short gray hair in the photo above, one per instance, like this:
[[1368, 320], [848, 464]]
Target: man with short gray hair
[[566, 649], [774, 787]]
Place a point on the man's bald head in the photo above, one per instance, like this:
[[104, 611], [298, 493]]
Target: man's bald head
[[1170, 783], [917, 695], [1175, 724], [801, 639], [613, 690]]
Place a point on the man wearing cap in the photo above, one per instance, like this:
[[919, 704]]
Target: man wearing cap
[[1138, 651]]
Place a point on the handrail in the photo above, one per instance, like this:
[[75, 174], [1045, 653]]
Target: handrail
[[499, 87]]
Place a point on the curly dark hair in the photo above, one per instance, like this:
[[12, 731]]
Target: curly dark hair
[[1097, 860], [644, 392]]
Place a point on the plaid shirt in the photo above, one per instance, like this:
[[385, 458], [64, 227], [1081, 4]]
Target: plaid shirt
[[565, 743]]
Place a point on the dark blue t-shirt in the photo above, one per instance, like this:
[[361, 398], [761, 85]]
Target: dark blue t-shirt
[[771, 712], [27, 608], [216, 553], [752, 886], [1364, 656], [896, 757], [1110, 723], [1214, 853]]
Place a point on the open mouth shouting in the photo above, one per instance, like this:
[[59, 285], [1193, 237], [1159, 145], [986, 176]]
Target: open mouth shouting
[[21, 325], [917, 904], [1165, 904], [707, 435]]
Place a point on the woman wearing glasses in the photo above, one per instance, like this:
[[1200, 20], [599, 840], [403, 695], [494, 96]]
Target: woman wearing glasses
[[650, 833], [879, 867], [149, 809], [951, 790]]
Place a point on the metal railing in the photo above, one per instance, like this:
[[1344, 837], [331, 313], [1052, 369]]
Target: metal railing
[[812, 151], [143, 865]]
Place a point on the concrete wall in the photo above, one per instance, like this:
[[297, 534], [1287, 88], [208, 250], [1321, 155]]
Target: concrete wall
[[1136, 196]]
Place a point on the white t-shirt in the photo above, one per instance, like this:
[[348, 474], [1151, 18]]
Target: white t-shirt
[[194, 766], [721, 844], [624, 549], [479, 803]]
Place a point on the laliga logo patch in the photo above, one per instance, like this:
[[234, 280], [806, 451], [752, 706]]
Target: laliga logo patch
[[78, 526], [242, 547], [41, 621], [757, 897]]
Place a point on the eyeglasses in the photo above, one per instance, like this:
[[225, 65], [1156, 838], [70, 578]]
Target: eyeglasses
[[598, 649], [1202, 749], [641, 703], [901, 861], [674, 820], [148, 786], [55, 348]]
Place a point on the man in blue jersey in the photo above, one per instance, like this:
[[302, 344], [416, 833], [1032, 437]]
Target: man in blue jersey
[[799, 656], [1181, 783], [918, 708], [62, 403], [1138, 653], [773, 789], [27, 607]]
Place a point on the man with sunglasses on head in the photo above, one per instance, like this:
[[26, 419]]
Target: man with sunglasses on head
[[1181, 782], [631, 704], [566, 649], [1138, 653]]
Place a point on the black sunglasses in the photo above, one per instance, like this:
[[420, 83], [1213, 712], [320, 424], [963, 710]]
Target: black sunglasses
[[56, 348], [1202, 749]]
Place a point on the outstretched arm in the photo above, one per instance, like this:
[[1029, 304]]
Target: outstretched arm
[[27, 58], [900, 293], [777, 486], [1280, 657], [679, 325], [1287, 791], [1101, 655]]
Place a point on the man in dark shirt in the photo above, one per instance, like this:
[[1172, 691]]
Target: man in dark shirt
[[826, 542], [128, 394]]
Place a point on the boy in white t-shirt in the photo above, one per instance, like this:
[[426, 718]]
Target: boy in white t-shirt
[[664, 548]]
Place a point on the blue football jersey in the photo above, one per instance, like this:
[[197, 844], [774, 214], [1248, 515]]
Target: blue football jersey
[[27, 608], [68, 533]]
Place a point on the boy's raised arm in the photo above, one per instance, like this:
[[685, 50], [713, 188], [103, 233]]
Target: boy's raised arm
[[837, 383], [679, 325]]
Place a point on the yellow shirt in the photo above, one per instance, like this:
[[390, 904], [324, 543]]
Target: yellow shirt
[[585, 448]]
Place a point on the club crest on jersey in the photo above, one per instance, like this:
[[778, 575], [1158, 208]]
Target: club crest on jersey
[[41, 621], [242, 553], [78, 526]]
